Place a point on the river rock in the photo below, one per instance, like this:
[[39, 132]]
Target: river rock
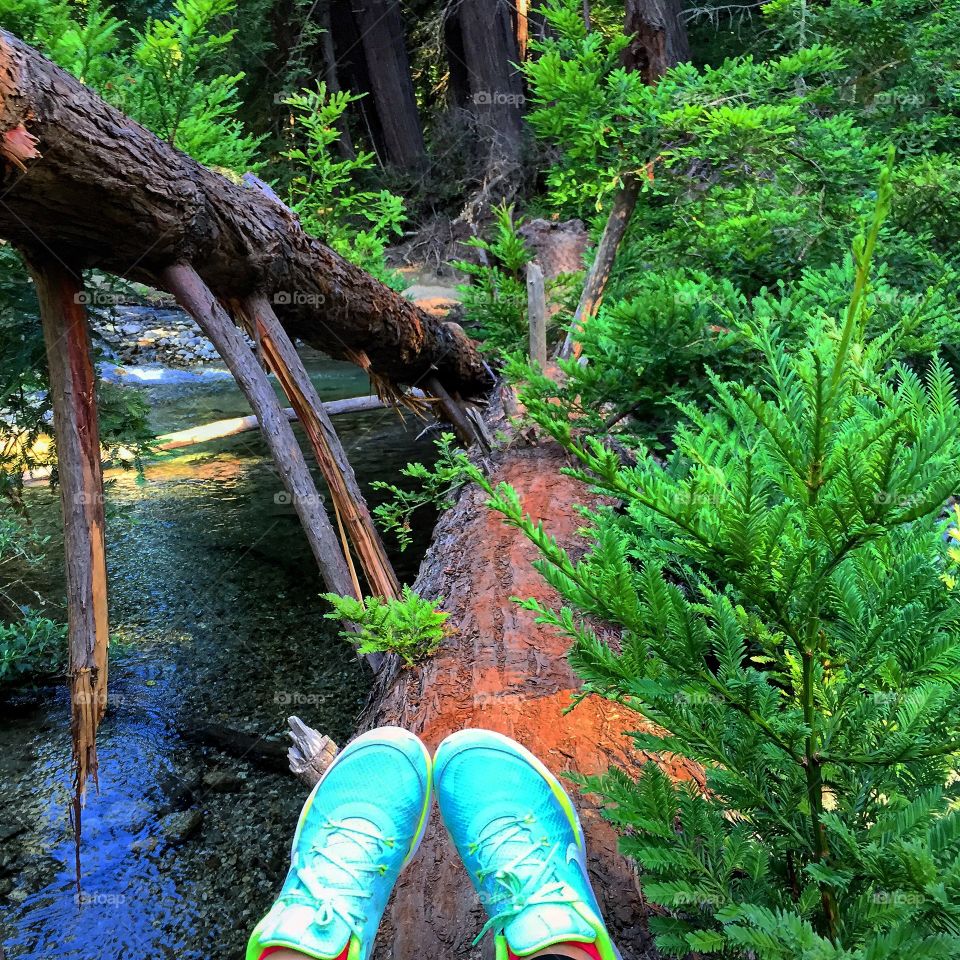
[[144, 334], [178, 827], [223, 781]]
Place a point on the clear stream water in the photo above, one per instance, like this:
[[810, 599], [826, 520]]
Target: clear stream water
[[215, 618]]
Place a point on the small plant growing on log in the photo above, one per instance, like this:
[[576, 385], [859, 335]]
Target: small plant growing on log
[[411, 627], [436, 487], [784, 623]]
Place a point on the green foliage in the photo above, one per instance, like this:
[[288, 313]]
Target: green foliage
[[32, 647], [435, 486], [659, 346], [647, 351], [357, 223], [750, 168], [411, 627], [495, 301], [164, 76], [175, 89], [777, 584]]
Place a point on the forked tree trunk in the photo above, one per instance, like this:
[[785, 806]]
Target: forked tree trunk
[[194, 296], [383, 35], [73, 395], [347, 499], [104, 192]]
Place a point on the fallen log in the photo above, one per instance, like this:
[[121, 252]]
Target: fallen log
[[265, 752], [501, 671], [231, 427], [99, 190], [221, 429]]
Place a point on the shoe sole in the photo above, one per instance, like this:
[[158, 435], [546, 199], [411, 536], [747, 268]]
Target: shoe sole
[[424, 813]]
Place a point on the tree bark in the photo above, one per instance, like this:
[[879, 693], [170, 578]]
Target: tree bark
[[384, 45], [496, 86], [73, 395], [348, 501], [200, 303], [107, 193], [658, 37], [501, 671]]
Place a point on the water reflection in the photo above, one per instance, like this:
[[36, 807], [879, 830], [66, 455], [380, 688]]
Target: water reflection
[[215, 619]]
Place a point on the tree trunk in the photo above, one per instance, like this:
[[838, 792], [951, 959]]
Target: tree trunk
[[384, 45], [496, 86], [199, 302], [501, 671], [658, 37], [332, 79], [659, 41], [624, 203], [110, 194], [73, 395], [348, 502]]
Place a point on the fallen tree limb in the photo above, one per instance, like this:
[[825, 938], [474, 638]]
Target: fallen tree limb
[[265, 752], [99, 190], [197, 299], [220, 429]]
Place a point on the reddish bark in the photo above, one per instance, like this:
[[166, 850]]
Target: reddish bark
[[658, 37], [73, 396], [501, 671]]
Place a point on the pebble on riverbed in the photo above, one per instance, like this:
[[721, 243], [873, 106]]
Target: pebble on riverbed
[[139, 335]]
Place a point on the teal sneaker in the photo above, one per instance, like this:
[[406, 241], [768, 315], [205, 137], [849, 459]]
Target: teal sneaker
[[520, 839], [359, 827]]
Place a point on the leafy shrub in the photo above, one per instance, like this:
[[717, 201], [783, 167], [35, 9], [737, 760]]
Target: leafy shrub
[[31, 647], [435, 487], [777, 583], [357, 223], [495, 301], [411, 627], [166, 78], [175, 90]]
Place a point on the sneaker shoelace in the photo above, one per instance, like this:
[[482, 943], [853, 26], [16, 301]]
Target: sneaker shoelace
[[345, 899], [535, 859]]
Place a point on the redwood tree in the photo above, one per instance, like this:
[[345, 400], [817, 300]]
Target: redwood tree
[[383, 37], [487, 34], [658, 37]]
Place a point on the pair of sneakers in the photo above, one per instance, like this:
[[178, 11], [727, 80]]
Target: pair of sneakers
[[513, 825]]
